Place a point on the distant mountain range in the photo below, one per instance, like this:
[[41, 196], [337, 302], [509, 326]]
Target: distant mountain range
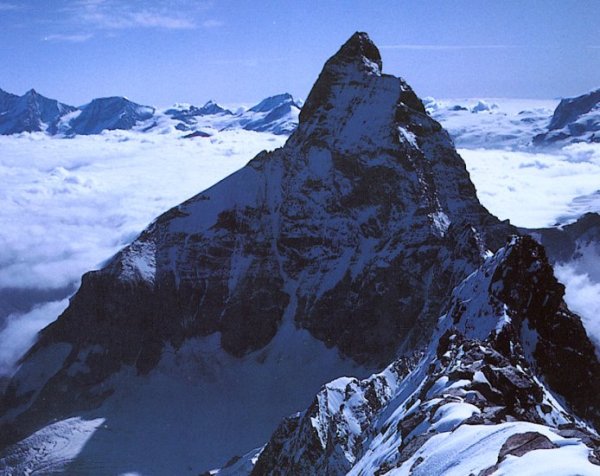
[[33, 112], [470, 122]]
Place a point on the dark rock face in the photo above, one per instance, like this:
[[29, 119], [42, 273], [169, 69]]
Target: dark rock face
[[196, 134], [357, 230], [523, 443], [570, 109], [574, 120], [108, 114], [518, 445], [480, 366], [31, 112], [319, 442], [563, 355]]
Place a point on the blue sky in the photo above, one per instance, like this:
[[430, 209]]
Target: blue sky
[[160, 52]]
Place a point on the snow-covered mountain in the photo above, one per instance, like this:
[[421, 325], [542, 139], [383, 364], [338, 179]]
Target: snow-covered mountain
[[105, 114], [31, 112], [574, 120], [505, 387], [188, 114], [276, 114], [333, 254]]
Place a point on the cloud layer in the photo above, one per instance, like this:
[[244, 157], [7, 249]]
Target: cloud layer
[[534, 189], [582, 294]]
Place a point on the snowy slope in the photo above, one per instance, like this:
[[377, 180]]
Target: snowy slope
[[349, 238], [485, 398]]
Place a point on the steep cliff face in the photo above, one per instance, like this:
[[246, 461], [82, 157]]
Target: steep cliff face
[[356, 231], [486, 389]]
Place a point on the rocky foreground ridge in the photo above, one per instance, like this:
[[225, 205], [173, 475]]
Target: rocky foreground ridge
[[508, 385]]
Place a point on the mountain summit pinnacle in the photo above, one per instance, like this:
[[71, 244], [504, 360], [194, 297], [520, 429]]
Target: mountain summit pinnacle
[[360, 47], [354, 75]]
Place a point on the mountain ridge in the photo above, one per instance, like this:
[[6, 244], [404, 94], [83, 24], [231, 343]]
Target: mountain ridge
[[276, 114], [476, 381]]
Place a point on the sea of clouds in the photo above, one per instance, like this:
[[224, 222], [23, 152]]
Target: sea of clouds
[[69, 204]]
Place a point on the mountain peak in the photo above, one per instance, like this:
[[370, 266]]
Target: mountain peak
[[350, 75], [359, 48], [272, 102]]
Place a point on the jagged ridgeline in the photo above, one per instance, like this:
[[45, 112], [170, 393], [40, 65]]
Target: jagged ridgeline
[[481, 400], [336, 253]]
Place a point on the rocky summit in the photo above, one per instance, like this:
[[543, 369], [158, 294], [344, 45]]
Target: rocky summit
[[334, 254]]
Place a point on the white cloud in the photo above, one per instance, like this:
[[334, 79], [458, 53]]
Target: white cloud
[[582, 295], [8, 7], [534, 189], [160, 14], [70, 204], [74, 38], [20, 331]]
